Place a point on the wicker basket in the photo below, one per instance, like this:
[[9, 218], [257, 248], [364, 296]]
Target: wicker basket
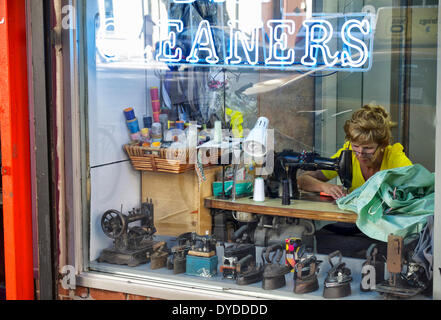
[[160, 160]]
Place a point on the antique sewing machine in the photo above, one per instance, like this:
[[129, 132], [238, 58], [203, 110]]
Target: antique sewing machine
[[289, 162], [201, 258], [131, 245]]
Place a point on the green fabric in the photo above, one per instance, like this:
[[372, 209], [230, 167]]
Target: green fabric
[[394, 201]]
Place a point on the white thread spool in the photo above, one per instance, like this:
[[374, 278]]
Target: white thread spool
[[218, 132], [259, 190]]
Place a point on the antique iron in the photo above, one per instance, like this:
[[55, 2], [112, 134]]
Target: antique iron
[[247, 271], [131, 246], [177, 262], [371, 260], [338, 280], [232, 255], [274, 272], [305, 276], [235, 252], [400, 284]]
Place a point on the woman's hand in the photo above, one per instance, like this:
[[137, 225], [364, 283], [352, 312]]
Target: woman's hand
[[334, 191]]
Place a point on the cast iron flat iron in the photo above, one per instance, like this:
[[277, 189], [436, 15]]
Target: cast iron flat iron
[[305, 276], [247, 271], [232, 255], [274, 272], [178, 261], [338, 281], [158, 259]]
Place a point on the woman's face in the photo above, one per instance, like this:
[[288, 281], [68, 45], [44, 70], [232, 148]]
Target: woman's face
[[366, 153]]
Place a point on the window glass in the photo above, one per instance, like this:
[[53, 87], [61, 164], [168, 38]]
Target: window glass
[[176, 66]]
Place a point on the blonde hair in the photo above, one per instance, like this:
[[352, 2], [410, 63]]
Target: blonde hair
[[370, 124]]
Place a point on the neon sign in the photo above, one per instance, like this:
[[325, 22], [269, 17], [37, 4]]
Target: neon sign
[[320, 47], [337, 42]]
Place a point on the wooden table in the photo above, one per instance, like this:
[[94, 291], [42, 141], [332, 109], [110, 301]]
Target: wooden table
[[304, 209]]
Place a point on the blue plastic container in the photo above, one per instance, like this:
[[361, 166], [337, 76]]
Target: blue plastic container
[[201, 266]]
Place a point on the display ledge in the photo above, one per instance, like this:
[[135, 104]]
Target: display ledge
[[163, 284]]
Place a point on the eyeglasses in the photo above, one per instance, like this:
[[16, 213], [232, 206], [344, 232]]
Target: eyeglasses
[[360, 151]]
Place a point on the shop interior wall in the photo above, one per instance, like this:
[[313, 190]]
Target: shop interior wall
[[344, 92]]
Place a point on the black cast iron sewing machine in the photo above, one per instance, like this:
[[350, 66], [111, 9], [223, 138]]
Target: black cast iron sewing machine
[[289, 162]]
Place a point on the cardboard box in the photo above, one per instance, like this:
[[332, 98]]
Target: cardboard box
[[179, 201]]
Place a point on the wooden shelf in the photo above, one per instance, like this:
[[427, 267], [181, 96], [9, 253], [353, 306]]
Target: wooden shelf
[[303, 209]]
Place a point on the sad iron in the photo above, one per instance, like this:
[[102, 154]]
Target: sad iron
[[274, 273], [248, 272], [305, 276], [158, 259], [233, 254], [371, 260], [338, 281], [178, 261]]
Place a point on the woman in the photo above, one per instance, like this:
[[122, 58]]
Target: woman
[[368, 135]]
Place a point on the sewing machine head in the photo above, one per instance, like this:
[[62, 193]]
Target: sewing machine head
[[288, 162]]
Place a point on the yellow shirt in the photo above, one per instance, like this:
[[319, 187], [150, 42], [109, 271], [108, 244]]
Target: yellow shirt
[[393, 157]]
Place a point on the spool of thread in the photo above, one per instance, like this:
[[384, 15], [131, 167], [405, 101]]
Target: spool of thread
[[135, 136], [156, 132], [154, 93], [129, 113], [286, 198], [133, 126], [218, 132], [148, 121], [163, 119], [145, 134], [180, 125], [259, 190], [171, 125]]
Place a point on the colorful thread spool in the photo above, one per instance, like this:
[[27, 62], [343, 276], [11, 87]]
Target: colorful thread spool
[[156, 107], [145, 134], [148, 122], [154, 93], [133, 126], [135, 136], [180, 125], [157, 132], [129, 113]]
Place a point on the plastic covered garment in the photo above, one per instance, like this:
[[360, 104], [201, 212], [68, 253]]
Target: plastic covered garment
[[396, 201]]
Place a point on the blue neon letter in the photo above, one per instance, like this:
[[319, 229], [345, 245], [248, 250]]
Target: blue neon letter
[[313, 41], [348, 40], [279, 54], [203, 42], [167, 49], [237, 36]]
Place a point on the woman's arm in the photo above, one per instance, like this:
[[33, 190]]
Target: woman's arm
[[315, 181]]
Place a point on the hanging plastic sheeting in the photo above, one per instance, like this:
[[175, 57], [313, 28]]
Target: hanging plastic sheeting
[[188, 87], [396, 201]]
